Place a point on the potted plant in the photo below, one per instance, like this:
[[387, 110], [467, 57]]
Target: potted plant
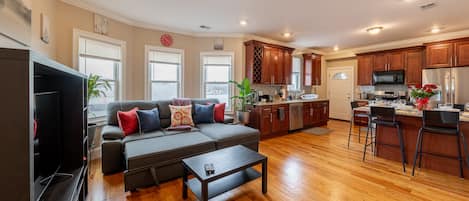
[[422, 95], [97, 87], [241, 100]]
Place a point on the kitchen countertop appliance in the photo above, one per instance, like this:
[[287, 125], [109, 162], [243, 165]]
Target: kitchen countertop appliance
[[388, 77], [451, 83], [296, 116]]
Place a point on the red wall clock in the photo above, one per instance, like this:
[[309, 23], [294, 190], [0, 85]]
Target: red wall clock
[[166, 40]]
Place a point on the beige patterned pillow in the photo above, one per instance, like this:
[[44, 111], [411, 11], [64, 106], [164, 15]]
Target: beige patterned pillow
[[181, 115]]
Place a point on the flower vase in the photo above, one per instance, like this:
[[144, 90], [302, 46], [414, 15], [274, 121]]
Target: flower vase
[[422, 104]]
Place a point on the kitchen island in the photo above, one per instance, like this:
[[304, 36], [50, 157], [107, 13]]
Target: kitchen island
[[411, 121]]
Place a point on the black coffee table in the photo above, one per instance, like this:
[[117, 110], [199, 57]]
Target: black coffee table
[[233, 168]]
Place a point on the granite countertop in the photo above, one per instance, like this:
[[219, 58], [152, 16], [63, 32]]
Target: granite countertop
[[411, 113], [289, 102]]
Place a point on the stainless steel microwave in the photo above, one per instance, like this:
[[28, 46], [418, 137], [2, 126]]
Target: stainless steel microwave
[[388, 77]]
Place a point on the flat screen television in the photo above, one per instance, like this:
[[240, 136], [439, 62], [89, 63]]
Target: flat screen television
[[47, 140]]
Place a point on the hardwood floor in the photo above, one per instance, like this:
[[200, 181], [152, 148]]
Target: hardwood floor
[[309, 167]]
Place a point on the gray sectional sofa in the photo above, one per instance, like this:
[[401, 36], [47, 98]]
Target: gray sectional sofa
[[150, 158]]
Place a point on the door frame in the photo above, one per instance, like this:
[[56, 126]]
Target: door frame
[[328, 71]]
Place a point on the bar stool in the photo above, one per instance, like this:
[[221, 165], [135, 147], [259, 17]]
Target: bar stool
[[441, 123], [385, 116], [355, 104]]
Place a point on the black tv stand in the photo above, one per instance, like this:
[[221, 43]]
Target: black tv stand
[[51, 177]]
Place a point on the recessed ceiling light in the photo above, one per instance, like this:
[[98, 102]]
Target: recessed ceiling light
[[435, 29], [336, 48], [374, 30], [286, 34], [243, 22]]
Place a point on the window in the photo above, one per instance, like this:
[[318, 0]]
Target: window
[[295, 76], [165, 72], [101, 58], [216, 72]]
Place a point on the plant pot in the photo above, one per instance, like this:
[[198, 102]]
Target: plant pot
[[243, 117]]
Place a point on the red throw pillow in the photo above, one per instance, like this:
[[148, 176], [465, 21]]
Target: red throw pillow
[[219, 112], [128, 121]]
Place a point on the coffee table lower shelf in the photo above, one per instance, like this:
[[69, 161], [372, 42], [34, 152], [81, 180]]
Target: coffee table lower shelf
[[224, 184]]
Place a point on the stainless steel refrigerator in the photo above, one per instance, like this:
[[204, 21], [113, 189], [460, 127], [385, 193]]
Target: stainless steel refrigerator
[[453, 82]]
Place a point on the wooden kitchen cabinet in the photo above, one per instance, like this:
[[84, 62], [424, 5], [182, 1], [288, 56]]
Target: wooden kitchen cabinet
[[447, 54], [365, 69], [414, 63], [388, 61], [315, 113], [439, 55], [311, 69], [462, 53], [268, 119], [268, 63]]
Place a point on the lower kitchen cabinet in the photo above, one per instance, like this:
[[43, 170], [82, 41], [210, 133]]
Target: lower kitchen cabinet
[[270, 119], [275, 119], [315, 113]]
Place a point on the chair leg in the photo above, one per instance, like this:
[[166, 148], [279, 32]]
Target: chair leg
[[461, 172], [350, 132], [366, 143], [420, 151], [401, 142], [359, 133], [466, 151], [416, 150], [371, 138]]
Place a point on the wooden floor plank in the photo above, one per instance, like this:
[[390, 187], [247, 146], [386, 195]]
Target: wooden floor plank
[[309, 167]]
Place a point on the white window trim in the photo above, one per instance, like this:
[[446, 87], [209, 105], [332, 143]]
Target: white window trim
[[300, 85], [147, 74], [202, 74], [77, 33]]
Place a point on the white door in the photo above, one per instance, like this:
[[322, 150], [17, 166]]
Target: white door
[[340, 92]]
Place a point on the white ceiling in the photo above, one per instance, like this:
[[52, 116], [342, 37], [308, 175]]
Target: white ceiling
[[319, 24]]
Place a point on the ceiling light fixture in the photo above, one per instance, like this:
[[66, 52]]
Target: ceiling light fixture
[[243, 22], [336, 48], [435, 30], [286, 34], [374, 30]]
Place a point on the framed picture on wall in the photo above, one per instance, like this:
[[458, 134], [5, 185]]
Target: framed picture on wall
[[15, 20]]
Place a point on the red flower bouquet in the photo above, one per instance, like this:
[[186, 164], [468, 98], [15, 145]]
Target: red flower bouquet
[[422, 95]]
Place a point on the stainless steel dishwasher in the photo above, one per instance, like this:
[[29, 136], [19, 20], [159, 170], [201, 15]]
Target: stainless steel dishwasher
[[296, 116]]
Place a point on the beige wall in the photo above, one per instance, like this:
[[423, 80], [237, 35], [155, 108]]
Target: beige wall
[[65, 18]]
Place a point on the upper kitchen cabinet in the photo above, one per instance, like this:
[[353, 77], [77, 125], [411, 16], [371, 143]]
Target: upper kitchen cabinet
[[445, 54], [268, 63], [311, 69], [365, 69], [388, 61], [414, 64], [439, 55]]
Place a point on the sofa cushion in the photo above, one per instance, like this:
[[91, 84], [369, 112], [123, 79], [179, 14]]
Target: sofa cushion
[[148, 120], [204, 113], [181, 115], [128, 121], [228, 135], [219, 113], [113, 107], [166, 149], [112, 133], [148, 135]]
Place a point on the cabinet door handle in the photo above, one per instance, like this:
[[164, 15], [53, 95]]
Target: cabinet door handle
[[311, 111], [456, 59], [271, 119]]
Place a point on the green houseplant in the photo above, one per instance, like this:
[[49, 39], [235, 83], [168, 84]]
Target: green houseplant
[[97, 87], [242, 100]]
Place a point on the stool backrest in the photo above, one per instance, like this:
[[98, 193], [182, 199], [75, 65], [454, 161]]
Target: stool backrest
[[383, 113], [441, 119], [354, 104]]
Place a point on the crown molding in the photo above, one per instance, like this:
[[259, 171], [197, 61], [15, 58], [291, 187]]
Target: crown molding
[[397, 44]]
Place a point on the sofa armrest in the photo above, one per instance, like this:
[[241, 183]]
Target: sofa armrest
[[228, 119], [111, 156], [112, 133]]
